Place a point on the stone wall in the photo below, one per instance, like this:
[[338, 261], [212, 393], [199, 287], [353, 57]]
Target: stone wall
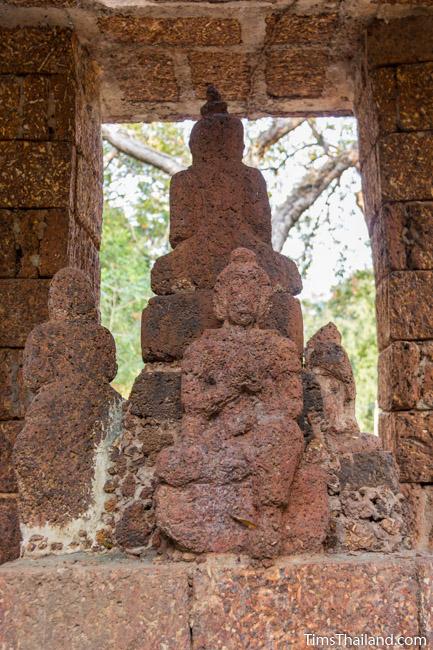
[[268, 57], [394, 109], [50, 204], [221, 604]]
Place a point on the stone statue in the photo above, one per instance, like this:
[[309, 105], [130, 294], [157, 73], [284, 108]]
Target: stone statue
[[227, 480], [217, 205], [62, 453]]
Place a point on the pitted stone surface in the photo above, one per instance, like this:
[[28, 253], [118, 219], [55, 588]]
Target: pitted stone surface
[[367, 509], [123, 604], [275, 608], [68, 364], [217, 205], [227, 481], [278, 58], [85, 605]]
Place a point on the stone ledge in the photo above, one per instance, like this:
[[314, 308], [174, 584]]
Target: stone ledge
[[111, 602]]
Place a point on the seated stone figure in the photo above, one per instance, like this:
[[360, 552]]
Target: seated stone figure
[[216, 205], [226, 482], [62, 453]]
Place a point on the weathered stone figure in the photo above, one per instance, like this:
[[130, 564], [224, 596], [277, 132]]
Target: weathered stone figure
[[366, 506], [217, 204], [227, 480], [61, 455]]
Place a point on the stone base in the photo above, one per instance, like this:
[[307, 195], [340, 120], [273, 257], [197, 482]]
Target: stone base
[[87, 603]]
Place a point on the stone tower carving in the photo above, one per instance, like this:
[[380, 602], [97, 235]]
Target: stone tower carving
[[226, 482], [62, 453], [217, 205]]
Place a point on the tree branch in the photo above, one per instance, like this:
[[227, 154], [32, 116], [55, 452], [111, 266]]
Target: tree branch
[[278, 129], [136, 149], [307, 191]]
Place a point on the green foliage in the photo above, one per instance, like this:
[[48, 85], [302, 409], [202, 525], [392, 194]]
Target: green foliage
[[351, 308]]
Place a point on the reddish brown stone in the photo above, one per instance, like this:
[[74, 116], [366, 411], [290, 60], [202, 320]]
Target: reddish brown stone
[[301, 30], [10, 537], [156, 395], [415, 84], [277, 607], [83, 253], [190, 30], [8, 433], [419, 515], [402, 238], [327, 360], [425, 576], [233, 199], [23, 305], [425, 377], [411, 435], [35, 49], [35, 175], [68, 364], [227, 479], [89, 200], [135, 526], [371, 187], [34, 242], [150, 76], [406, 166], [403, 307], [306, 520], [10, 93], [12, 391], [285, 316], [398, 376], [170, 323], [286, 76], [229, 73], [376, 108], [400, 41], [119, 605]]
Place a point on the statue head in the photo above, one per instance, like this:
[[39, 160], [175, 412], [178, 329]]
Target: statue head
[[242, 290], [217, 134], [71, 296]]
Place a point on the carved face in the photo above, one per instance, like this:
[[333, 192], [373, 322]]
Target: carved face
[[242, 290]]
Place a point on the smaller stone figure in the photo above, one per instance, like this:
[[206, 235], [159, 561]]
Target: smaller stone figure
[[364, 494], [227, 481], [62, 453]]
